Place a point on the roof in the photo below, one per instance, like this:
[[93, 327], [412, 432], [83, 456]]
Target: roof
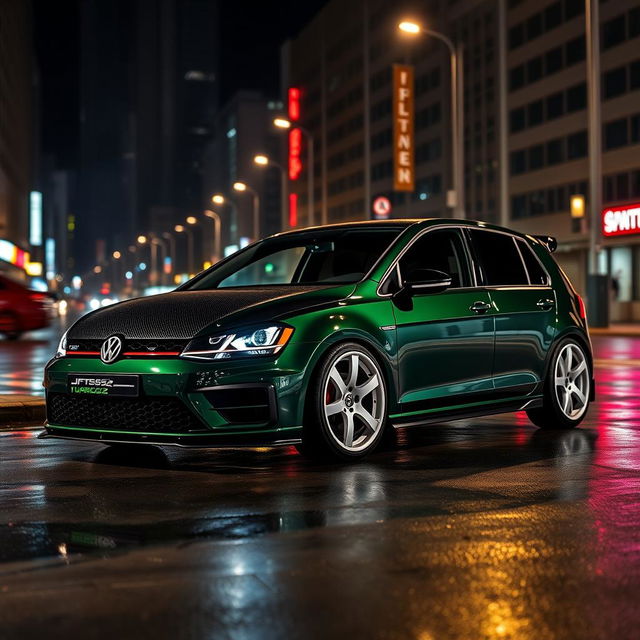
[[398, 222]]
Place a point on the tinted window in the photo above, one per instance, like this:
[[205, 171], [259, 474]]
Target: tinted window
[[499, 258], [442, 250], [537, 274], [311, 257]]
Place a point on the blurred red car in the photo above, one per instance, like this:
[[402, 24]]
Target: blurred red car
[[21, 309]]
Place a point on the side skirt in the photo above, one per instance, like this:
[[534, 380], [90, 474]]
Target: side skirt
[[459, 413]]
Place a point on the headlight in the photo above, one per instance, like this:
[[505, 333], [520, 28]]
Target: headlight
[[62, 345], [258, 341]]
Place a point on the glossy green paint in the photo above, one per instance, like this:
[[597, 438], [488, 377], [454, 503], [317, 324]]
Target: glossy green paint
[[436, 354]]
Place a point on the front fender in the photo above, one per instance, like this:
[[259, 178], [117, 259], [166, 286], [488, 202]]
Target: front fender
[[370, 324]]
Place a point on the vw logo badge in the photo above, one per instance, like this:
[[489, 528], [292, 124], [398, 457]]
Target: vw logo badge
[[110, 349]]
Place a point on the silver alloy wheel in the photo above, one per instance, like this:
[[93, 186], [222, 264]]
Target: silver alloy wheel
[[354, 401], [571, 381]]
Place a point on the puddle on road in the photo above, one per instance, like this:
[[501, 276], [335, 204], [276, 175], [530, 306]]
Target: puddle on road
[[357, 494]]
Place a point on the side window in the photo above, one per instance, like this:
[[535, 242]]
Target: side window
[[441, 249], [537, 275], [499, 258]]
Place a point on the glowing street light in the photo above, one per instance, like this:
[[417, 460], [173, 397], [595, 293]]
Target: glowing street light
[[282, 123], [179, 228], [457, 111], [192, 220], [116, 255], [409, 27], [243, 187], [264, 161], [217, 198], [217, 233], [142, 239]]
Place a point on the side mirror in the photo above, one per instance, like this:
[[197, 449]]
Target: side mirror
[[422, 281]]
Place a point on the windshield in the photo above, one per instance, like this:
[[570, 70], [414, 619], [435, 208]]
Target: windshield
[[314, 257]]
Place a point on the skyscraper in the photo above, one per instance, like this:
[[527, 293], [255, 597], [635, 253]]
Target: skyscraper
[[148, 88]]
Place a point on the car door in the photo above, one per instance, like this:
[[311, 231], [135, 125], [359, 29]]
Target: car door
[[445, 339], [524, 305]]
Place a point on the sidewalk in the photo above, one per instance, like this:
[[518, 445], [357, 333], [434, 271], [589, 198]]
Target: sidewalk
[[617, 329], [20, 409]]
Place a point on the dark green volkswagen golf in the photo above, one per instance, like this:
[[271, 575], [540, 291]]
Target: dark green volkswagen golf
[[326, 337]]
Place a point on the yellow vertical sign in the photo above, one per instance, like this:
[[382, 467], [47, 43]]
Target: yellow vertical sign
[[403, 129]]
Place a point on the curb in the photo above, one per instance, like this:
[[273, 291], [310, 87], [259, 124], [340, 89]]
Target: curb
[[20, 409], [614, 334]]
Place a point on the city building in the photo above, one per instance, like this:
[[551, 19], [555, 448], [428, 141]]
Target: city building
[[148, 91], [16, 133], [525, 120], [242, 129]]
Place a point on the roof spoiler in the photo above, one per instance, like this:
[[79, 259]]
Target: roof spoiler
[[548, 241]]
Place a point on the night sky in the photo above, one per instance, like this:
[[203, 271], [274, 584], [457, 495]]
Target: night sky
[[250, 37]]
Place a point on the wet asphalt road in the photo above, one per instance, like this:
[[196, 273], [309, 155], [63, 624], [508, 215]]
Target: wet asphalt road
[[475, 529]]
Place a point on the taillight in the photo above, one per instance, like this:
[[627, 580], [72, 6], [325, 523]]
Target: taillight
[[39, 298], [581, 308]]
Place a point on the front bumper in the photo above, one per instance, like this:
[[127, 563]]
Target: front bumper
[[180, 402]]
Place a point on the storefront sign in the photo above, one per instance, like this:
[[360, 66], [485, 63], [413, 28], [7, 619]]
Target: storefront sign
[[403, 129], [13, 254], [621, 221]]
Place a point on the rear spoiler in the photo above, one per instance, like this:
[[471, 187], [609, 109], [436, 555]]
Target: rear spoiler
[[548, 241]]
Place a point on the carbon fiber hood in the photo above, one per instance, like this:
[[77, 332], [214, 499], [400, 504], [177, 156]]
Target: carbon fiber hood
[[183, 314]]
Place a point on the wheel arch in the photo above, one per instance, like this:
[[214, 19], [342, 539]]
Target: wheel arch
[[377, 352], [583, 340]]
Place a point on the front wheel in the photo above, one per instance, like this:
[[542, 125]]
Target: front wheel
[[346, 405], [567, 389]]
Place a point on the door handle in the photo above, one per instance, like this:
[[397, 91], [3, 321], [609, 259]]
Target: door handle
[[480, 307], [545, 304]]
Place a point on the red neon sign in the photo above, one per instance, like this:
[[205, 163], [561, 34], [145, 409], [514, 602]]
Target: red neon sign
[[295, 152], [293, 210], [294, 104], [621, 221], [295, 135]]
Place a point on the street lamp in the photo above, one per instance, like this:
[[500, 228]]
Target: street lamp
[[242, 187], [142, 239], [216, 234], [457, 109], [283, 123], [264, 161], [182, 229], [156, 242]]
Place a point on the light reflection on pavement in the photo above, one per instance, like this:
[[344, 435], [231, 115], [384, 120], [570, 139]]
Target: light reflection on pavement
[[477, 529]]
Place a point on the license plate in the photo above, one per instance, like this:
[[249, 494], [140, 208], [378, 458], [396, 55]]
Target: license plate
[[87, 384]]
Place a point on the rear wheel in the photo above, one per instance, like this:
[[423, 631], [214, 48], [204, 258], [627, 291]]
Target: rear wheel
[[9, 326], [346, 405], [567, 389]]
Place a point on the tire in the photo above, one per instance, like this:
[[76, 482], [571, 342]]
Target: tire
[[345, 414], [9, 326], [567, 388]]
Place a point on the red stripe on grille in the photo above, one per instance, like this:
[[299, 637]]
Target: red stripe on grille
[[151, 353]]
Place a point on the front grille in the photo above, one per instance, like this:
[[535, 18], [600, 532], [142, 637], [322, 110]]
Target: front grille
[[138, 346], [240, 404], [140, 415]]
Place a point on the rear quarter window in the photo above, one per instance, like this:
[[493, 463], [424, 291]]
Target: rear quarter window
[[537, 274], [499, 258]]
